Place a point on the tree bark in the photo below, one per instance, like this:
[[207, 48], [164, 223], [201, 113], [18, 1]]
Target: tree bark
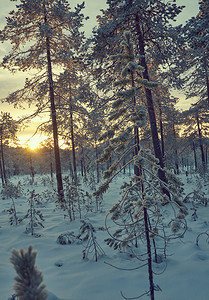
[[195, 156], [207, 79], [54, 120], [176, 150], [150, 107], [72, 137], [1, 172], [3, 161], [138, 172], [201, 143], [146, 223], [97, 164]]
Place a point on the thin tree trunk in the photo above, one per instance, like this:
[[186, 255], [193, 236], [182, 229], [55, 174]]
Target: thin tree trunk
[[161, 129], [97, 164], [176, 150], [72, 133], [51, 164], [31, 169], [3, 162], [150, 107], [195, 156], [1, 171], [201, 142], [54, 121], [146, 224], [139, 175], [73, 144], [84, 162], [207, 79], [81, 161]]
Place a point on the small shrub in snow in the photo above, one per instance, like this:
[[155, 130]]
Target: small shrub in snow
[[11, 190], [66, 238]]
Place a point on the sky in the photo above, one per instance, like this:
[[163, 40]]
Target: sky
[[11, 82]]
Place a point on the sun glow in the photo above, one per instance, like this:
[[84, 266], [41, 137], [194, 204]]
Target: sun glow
[[31, 142]]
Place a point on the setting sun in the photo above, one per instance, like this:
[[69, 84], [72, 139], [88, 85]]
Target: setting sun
[[32, 142]]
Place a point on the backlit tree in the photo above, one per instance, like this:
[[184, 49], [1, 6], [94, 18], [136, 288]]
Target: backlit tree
[[43, 33]]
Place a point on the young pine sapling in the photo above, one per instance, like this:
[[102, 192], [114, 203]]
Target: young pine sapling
[[28, 283], [34, 216]]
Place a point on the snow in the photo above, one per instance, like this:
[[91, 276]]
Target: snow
[[68, 277]]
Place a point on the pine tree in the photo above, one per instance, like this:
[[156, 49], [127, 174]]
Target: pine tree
[[73, 95], [43, 33], [189, 63], [8, 130], [148, 22], [28, 284], [138, 209], [196, 127]]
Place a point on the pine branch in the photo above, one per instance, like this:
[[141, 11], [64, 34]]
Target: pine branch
[[28, 284]]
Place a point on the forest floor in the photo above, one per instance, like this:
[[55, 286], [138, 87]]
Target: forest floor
[[68, 276]]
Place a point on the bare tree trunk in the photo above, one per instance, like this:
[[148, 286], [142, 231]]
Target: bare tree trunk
[[149, 253], [1, 171], [207, 79], [195, 156], [97, 164], [176, 150], [31, 169], [201, 142], [84, 162], [72, 136], [3, 162], [51, 164], [54, 121], [161, 129]]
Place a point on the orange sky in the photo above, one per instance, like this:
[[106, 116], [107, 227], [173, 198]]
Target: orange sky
[[11, 82]]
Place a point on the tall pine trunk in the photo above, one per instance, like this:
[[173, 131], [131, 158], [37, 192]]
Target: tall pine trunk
[[201, 142], [195, 155], [206, 76], [97, 164], [72, 135], [161, 129], [1, 172], [54, 120], [176, 150], [3, 168], [150, 106]]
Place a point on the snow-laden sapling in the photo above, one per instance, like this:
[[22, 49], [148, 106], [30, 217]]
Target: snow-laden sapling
[[34, 215], [87, 235], [137, 218], [13, 192], [28, 283], [75, 197]]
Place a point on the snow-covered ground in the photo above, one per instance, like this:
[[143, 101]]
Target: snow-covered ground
[[68, 277]]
